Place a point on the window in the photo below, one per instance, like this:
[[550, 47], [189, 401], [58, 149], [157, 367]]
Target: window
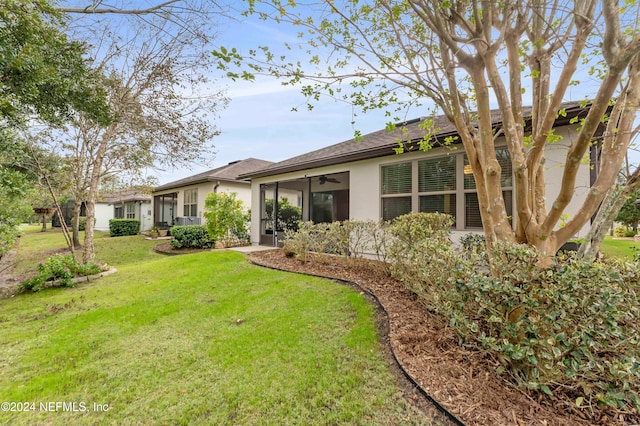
[[437, 185], [118, 212], [472, 205], [191, 202], [440, 185], [396, 190], [130, 210]]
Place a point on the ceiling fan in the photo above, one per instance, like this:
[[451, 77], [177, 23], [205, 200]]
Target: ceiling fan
[[323, 179]]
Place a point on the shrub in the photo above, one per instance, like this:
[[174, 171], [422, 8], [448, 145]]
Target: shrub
[[123, 227], [623, 231], [420, 250], [60, 268], [226, 219], [473, 242], [351, 239], [572, 328], [192, 236]]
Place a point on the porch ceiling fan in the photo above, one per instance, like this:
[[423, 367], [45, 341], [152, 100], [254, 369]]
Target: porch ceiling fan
[[323, 179]]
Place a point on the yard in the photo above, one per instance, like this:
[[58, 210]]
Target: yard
[[201, 338], [624, 248]]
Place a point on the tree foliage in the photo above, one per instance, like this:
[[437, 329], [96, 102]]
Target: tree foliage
[[226, 218], [630, 212], [465, 57], [43, 74], [154, 72]]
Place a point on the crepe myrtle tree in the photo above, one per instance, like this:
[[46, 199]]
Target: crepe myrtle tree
[[467, 56]]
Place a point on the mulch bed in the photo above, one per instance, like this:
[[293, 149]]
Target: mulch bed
[[460, 379], [165, 248]]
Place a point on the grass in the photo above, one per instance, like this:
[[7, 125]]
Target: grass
[[196, 339], [624, 249], [36, 246]]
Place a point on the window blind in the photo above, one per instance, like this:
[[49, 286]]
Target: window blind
[[396, 179], [393, 207], [437, 174], [444, 203]]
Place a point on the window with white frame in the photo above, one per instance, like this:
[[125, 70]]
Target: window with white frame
[[130, 209], [440, 184], [191, 202]]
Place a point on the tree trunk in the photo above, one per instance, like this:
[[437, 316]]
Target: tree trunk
[[92, 194], [605, 217], [609, 209], [75, 224]]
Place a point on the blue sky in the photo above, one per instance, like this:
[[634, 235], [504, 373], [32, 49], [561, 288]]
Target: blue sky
[[259, 121]]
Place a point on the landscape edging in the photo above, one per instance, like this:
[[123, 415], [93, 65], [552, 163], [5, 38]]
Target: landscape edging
[[380, 306]]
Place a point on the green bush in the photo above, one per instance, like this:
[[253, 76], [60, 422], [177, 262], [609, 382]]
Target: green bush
[[420, 250], [60, 268], [192, 236], [623, 231], [573, 328], [226, 220], [123, 227]]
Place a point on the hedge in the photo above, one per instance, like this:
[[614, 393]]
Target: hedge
[[191, 236], [123, 227]]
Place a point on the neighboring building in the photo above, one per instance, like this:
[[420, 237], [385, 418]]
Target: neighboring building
[[128, 203], [182, 202], [67, 212], [366, 180], [124, 204]]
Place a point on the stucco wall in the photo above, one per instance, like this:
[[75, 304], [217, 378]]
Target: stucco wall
[[364, 182], [104, 213], [242, 190], [144, 213]]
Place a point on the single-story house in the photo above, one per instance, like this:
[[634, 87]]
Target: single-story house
[[125, 204], [367, 180], [181, 202]]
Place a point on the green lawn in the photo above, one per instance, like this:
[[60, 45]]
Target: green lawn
[[624, 249], [195, 339], [117, 252]]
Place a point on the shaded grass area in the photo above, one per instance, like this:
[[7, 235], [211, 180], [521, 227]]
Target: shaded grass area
[[621, 248], [198, 339]]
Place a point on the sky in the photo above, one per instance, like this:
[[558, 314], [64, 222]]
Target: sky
[[259, 121]]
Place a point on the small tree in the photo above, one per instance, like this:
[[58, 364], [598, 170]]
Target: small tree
[[630, 212], [225, 216]]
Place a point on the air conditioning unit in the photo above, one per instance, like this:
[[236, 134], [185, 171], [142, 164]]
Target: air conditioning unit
[[187, 220]]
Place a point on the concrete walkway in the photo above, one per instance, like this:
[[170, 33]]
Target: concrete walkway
[[251, 249]]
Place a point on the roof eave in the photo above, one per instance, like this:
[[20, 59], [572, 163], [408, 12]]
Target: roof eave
[[170, 186]]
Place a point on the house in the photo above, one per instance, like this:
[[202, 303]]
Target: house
[[124, 204], [367, 180], [127, 203], [182, 202], [67, 212]]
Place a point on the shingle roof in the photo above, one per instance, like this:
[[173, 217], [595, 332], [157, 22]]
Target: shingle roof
[[380, 143], [125, 196], [228, 173]]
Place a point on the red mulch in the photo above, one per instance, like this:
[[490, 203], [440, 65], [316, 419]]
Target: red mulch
[[460, 379]]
